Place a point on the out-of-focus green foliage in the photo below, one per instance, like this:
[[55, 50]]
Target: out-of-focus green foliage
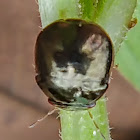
[[128, 57]]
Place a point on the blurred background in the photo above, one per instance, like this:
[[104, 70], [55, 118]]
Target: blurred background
[[21, 100]]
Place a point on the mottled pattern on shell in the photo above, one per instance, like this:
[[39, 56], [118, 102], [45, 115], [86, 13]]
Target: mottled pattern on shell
[[73, 60]]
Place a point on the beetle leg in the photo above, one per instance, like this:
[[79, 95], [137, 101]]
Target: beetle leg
[[43, 118]]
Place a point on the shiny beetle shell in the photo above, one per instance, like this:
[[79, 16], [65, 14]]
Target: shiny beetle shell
[[73, 60]]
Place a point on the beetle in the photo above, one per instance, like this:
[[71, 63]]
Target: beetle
[[132, 23], [73, 59]]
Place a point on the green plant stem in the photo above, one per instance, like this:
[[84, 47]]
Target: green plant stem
[[114, 16], [77, 125]]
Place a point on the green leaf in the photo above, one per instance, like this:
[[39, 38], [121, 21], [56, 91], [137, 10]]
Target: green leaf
[[114, 16], [128, 56]]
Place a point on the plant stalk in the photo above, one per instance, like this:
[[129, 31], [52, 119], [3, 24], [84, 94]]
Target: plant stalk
[[114, 16]]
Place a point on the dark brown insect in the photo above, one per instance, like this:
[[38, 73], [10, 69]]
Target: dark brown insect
[[132, 23], [73, 60]]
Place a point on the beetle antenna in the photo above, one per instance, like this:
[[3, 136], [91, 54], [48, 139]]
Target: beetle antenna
[[97, 127], [43, 118]]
